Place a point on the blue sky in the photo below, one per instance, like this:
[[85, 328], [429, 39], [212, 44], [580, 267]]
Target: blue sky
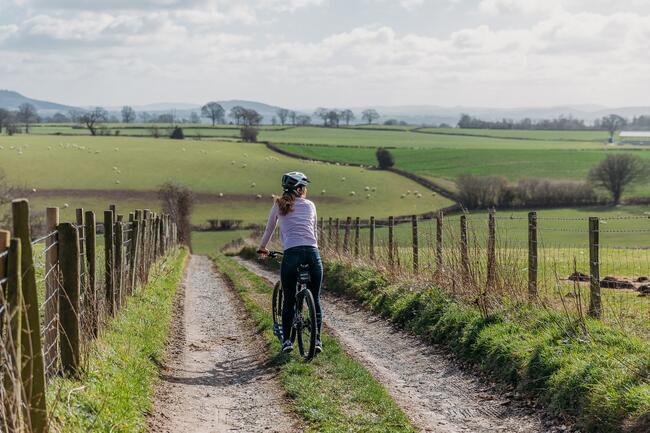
[[306, 53]]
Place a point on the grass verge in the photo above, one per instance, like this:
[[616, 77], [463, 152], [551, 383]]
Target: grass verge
[[578, 367], [115, 391], [334, 393]]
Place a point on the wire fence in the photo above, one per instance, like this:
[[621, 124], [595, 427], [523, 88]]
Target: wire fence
[[67, 285], [598, 265]]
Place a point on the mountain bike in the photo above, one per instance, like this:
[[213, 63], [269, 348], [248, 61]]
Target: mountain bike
[[304, 327]]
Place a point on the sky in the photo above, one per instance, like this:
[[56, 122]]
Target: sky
[[334, 53]]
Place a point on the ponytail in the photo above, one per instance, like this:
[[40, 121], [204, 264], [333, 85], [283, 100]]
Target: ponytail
[[286, 202]]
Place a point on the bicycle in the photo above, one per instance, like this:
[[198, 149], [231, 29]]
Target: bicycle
[[304, 326]]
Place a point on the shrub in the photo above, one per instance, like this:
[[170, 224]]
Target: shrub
[[385, 158], [480, 192], [177, 201], [249, 134], [476, 192], [177, 133]]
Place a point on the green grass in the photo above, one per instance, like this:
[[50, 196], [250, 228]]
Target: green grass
[[597, 136], [583, 369], [374, 138], [206, 243], [333, 393], [239, 171], [448, 164], [116, 388]]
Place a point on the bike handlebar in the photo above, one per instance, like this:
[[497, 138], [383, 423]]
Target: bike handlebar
[[272, 254]]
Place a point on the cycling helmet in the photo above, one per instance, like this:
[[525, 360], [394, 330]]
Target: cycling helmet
[[293, 180]]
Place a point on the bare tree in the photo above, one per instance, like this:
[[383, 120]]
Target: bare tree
[[283, 113], [292, 116], [322, 114], [348, 116], [612, 123], [194, 118], [4, 118], [251, 117], [237, 114], [616, 172], [370, 115], [214, 112], [177, 201], [92, 118], [333, 118], [128, 114], [303, 120], [26, 115]]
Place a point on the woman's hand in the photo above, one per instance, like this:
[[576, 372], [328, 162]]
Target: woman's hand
[[263, 252]]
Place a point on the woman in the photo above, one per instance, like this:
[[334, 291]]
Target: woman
[[297, 217]]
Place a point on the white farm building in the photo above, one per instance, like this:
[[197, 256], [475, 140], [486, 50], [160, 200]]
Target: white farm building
[[634, 137]]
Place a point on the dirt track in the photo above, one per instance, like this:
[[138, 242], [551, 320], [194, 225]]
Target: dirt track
[[424, 380], [216, 379]]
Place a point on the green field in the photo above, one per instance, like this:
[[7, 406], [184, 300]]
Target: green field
[[211, 242], [514, 163], [95, 171], [597, 136]]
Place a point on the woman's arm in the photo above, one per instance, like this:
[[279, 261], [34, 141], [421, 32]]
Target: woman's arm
[[315, 225], [270, 227]]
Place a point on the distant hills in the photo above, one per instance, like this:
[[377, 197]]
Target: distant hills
[[12, 100], [412, 114]]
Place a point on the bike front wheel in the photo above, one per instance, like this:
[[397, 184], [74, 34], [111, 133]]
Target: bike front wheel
[[306, 329]]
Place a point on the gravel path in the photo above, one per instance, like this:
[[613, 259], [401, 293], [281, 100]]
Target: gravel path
[[218, 381], [424, 380]]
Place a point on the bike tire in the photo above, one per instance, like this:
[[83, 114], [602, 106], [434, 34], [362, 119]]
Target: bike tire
[[306, 330], [276, 310], [277, 303]]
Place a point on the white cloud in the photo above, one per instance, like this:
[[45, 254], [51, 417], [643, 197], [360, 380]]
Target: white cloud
[[566, 54]]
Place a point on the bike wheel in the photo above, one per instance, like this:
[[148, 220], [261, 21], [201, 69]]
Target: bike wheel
[[306, 329], [276, 310]]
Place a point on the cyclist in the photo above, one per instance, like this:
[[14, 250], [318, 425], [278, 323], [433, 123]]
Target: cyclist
[[297, 217]]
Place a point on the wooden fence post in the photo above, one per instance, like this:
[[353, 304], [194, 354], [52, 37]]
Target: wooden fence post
[[5, 238], [532, 255], [416, 250], [51, 314], [143, 251], [357, 239], [595, 304], [337, 238], [440, 261], [82, 262], [109, 261], [119, 264], [491, 251], [329, 233], [464, 247], [346, 236], [134, 248], [13, 301], [69, 302], [372, 237], [90, 296], [321, 240], [33, 369], [391, 241]]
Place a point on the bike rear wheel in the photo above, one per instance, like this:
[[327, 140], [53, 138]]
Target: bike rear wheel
[[276, 310], [306, 329]]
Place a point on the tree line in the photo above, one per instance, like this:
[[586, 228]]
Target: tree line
[[610, 123]]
